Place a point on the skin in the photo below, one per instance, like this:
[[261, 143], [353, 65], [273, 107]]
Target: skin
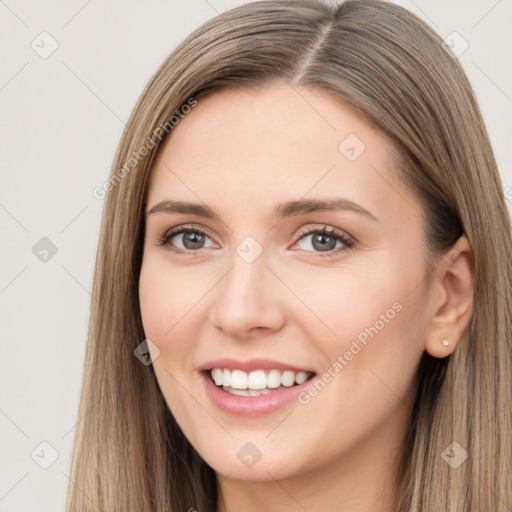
[[241, 153]]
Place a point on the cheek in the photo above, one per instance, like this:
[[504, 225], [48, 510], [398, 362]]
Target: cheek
[[168, 296], [167, 301], [370, 358], [362, 317], [346, 301]]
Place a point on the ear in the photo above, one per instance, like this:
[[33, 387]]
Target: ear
[[451, 299]]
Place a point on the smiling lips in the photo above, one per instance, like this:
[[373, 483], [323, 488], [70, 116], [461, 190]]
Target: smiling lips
[[255, 387], [257, 382]]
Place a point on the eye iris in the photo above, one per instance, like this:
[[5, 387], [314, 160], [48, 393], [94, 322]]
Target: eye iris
[[323, 242], [193, 240]]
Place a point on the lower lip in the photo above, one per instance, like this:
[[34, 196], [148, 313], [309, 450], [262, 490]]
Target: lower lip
[[251, 406]]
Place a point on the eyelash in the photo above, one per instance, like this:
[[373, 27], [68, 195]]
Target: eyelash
[[338, 235]]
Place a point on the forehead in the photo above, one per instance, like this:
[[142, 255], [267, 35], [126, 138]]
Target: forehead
[[273, 143]]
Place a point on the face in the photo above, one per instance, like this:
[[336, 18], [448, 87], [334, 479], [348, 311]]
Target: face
[[282, 284]]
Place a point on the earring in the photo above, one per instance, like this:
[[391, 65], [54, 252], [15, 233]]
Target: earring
[[445, 343]]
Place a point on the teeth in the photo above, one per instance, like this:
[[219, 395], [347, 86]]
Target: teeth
[[247, 392], [301, 377], [288, 378], [217, 376], [257, 382], [238, 379], [241, 392], [226, 378], [274, 379]]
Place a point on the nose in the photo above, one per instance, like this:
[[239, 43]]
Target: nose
[[249, 300]]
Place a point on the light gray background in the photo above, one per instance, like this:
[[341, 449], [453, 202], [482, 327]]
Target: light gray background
[[61, 120]]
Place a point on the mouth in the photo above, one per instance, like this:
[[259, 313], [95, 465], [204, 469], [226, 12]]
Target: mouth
[[257, 382], [255, 387]]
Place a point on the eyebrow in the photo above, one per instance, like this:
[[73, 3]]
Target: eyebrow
[[287, 209]]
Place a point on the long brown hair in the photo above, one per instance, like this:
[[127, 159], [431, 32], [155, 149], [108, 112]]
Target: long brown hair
[[129, 454]]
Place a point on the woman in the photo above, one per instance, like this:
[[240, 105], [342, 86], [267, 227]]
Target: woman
[[305, 233]]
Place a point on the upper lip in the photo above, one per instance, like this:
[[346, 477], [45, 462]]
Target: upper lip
[[251, 364]]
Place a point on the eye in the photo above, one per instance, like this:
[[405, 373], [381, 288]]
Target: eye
[[324, 240], [185, 238]]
